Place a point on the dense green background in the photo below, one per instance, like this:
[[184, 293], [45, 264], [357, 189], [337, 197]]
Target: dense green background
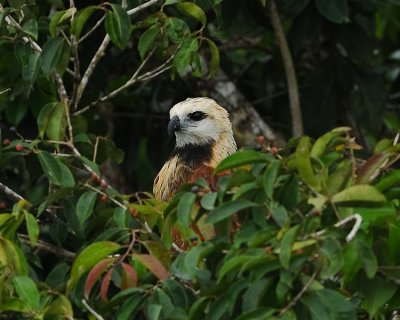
[[76, 175]]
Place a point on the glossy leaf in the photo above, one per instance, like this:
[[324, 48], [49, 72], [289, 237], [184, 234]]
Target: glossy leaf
[[192, 10], [58, 18], [184, 209], [228, 209], [269, 178], [359, 195], [118, 25], [285, 247], [88, 258], [303, 164], [377, 293], [129, 276], [51, 54], [27, 291], [105, 284], [147, 39], [154, 265], [33, 228], [241, 158], [85, 206], [57, 172], [214, 57], [80, 20], [208, 200], [30, 28], [333, 259], [95, 274], [60, 307]]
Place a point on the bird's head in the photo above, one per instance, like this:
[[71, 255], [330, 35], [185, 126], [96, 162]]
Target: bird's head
[[199, 121]]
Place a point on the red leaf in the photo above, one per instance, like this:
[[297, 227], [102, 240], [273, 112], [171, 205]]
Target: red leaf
[[105, 284], [94, 275], [153, 264], [129, 277]]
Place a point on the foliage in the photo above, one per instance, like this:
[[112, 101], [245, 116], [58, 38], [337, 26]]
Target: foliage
[[303, 233], [281, 235]]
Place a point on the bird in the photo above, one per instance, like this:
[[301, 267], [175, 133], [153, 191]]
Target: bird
[[204, 137]]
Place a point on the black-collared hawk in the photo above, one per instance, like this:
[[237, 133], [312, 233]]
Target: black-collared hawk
[[204, 138]]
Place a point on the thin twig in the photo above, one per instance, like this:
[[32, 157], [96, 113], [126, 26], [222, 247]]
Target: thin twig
[[10, 193], [133, 80], [293, 89], [91, 310], [90, 69], [143, 6], [45, 246], [293, 302], [4, 91], [87, 34], [100, 53]]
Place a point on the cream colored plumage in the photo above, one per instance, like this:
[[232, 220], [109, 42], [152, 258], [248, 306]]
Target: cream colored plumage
[[204, 138]]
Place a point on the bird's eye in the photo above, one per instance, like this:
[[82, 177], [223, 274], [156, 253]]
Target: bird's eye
[[197, 116]]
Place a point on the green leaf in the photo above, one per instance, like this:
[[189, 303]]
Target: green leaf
[[228, 209], [27, 291], [241, 158], [30, 28], [368, 258], [334, 10], [60, 308], [319, 147], [208, 200], [285, 247], [44, 117], [147, 39], [215, 57], [58, 18], [269, 178], [177, 30], [361, 195], [328, 304], [80, 19], [118, 25], [333, 258], [184, 209], [89, 257], [303, 163], [388, 180], [184, 55], [394, 243], [377, 293], [55, 120], [51, 54], [84, 208], [193, 11], [32, 227], [56, 171]]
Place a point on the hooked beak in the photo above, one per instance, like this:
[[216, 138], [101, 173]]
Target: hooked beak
[[174, 125]]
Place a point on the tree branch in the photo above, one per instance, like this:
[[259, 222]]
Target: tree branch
[[45, 246], [10, 193], [100, 53], [293, 302], [134, 79], [293, 90]]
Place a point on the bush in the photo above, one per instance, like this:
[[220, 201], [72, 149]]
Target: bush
[[310, 232]]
